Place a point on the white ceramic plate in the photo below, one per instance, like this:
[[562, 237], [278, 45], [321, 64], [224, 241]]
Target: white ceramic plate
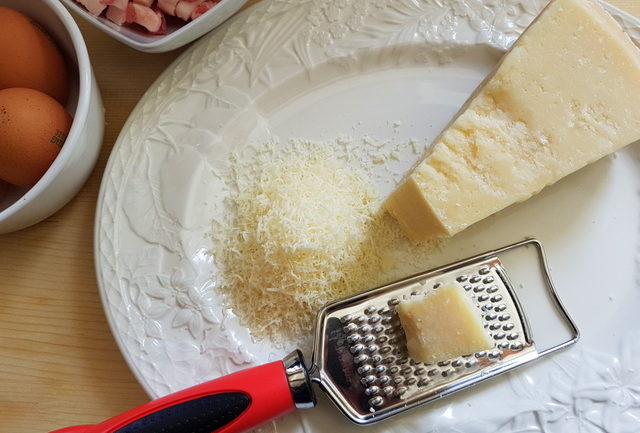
[[389, 70]]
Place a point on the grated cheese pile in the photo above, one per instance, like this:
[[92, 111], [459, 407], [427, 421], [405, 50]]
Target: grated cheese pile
[[306, 229]]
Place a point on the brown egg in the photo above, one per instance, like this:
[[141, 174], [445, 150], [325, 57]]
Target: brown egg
[[33, 127], [29, 57]]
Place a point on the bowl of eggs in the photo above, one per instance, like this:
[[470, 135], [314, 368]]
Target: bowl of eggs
[[155, 26], [51, 114]]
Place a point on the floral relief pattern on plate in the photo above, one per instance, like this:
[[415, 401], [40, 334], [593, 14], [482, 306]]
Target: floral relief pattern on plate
[[587, 391]]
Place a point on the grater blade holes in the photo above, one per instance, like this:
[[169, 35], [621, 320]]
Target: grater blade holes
[[378, 343]]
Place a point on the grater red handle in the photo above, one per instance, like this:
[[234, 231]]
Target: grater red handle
[[230, 404]]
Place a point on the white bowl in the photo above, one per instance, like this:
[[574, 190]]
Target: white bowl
[[176, 35], [23, 207]]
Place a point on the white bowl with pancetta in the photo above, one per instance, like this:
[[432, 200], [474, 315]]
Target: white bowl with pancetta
[[155, 26]]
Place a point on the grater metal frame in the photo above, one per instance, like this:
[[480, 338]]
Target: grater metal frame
[[355, 373]]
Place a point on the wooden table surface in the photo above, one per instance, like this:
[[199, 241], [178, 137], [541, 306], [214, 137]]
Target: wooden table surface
[[59, 364]]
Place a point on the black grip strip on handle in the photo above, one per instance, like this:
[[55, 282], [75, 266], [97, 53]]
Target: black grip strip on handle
[[200, 415]]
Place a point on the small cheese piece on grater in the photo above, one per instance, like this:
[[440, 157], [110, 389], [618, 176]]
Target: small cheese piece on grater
[[443, 325], [565, 95]]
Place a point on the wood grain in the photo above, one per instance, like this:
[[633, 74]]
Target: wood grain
[[59, 364]]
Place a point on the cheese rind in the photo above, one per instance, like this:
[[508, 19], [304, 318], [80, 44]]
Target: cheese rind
[[443, 325], [565, 95]]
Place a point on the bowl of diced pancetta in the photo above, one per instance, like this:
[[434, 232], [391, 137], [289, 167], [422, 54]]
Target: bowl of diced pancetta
[[155, 25]]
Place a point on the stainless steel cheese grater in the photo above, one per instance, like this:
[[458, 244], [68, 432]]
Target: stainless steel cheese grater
[[360, 358]]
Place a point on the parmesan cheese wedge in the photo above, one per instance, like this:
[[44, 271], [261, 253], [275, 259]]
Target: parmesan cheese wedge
[[443, 325], [564, 96]]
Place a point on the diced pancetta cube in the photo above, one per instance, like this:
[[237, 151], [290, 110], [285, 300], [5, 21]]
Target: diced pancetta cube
[[185, 8], [203, 7], [120, 4], [149, 14], [168, 6], [117, 15], [163, 21], [151, 19], [95, 7], [147, 3]]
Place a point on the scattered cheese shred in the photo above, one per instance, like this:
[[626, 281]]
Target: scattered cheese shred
[[306, 229], [300, 228]]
